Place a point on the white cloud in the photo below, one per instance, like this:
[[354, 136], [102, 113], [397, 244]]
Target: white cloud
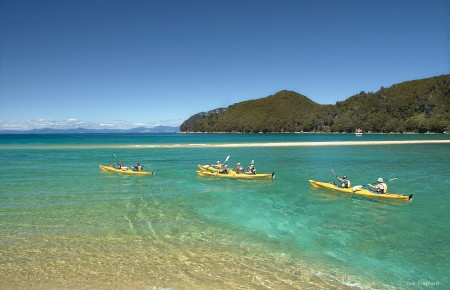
[[75, 123]]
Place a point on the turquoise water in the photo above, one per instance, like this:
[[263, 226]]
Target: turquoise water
[[64, 223]]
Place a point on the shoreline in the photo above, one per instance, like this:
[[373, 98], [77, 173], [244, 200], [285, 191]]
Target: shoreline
[[228, 145]]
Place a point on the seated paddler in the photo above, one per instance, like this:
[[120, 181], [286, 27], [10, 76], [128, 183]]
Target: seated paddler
[[345, 183]]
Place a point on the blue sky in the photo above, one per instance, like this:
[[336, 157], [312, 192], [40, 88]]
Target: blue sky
[[109, 63]]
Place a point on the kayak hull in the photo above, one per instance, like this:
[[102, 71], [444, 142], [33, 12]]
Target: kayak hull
[[129, 171], [360, 191], [235, 175]]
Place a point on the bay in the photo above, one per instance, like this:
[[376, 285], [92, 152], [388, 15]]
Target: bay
[[66, 224]]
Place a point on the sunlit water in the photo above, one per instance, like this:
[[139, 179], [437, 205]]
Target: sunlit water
[[66, 224]]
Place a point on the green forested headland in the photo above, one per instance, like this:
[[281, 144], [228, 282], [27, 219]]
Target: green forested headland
[[414, 106]]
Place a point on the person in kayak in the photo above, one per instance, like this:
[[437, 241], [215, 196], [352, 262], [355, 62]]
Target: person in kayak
[[345, 183], [381, 187], [239, 168], [138, 167], [251, 170], [225, 170], [217, 166]]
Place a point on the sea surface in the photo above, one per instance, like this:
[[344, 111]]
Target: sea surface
[[66, 224]]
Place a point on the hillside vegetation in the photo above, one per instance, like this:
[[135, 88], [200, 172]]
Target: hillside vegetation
[[414, 106]]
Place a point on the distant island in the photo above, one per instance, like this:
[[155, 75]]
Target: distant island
[[138, 130], [417, 106]]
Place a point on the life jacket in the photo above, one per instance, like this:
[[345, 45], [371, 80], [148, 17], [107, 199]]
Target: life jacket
[[346, 183], [384, 190], [139, 168]]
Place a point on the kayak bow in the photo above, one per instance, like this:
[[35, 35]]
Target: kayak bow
[[206, 168]]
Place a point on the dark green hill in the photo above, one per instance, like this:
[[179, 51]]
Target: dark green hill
[[412, 106]]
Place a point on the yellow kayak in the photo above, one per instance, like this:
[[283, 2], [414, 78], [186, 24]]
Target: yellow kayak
[[359, 190], [125, 171], [232, 174], [206, 168]]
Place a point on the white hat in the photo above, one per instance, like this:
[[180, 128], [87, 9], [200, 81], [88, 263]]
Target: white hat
[[380, 179]]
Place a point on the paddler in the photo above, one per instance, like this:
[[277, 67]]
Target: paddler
[[239, 168], [251, 170], [225, 170], [381, 187], [138, 167], [218, 166], [345, 183]]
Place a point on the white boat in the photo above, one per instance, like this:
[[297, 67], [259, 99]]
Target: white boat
[[358, 132]]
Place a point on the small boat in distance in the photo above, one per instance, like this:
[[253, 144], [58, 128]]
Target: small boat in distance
[[358, 132]]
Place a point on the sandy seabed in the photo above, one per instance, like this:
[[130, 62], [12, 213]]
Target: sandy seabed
[[142, 263]]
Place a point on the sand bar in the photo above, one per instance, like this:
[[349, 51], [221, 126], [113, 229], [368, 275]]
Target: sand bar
[[296, 144], [225, 145]]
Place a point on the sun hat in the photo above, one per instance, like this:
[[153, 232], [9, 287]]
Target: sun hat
[[380, 179]]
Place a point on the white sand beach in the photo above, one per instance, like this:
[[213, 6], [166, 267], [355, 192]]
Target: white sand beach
[[289, 144], [223, 145]]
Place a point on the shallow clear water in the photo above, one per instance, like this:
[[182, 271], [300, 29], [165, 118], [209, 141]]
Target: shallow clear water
[[64, 223]]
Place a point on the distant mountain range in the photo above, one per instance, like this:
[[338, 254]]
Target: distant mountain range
[[138, 130]]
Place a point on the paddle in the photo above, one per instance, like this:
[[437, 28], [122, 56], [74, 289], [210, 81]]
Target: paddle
[[373, 184], [117, 161], [336, 175], [385, 181], [223, 170], [250, 171], [216, 165]]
